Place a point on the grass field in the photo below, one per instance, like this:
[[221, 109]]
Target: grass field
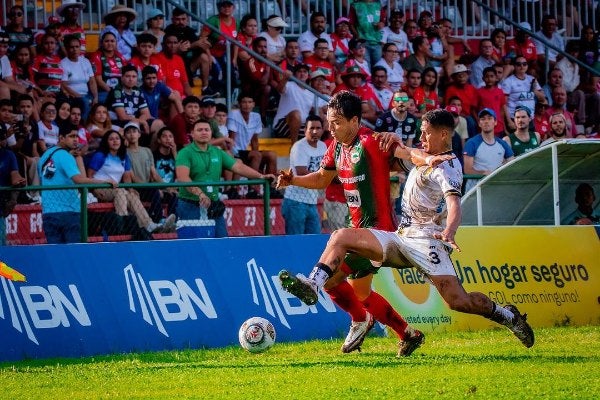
[[563, 364]]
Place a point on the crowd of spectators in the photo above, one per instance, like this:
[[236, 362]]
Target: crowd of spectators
[[52, 81]]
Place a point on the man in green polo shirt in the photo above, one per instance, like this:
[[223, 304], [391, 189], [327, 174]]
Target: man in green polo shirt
[[202, 162]]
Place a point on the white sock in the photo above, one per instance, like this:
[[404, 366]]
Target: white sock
[[503, 315], [320, 274]]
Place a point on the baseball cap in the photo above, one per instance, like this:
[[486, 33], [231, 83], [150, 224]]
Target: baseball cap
[[155, 12], [525, 25], [458, 68], [486, 111], [523, 108], [207, 102], [317, 74], [131, 124], [342, 20], [224, 3], [452, 109]]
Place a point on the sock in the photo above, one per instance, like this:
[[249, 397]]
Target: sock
[[343, 295], [319, 274], [501, 315], [385, 313]]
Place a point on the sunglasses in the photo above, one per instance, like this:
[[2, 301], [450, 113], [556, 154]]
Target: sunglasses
[[4, 40], [16, 14], [401, 98]]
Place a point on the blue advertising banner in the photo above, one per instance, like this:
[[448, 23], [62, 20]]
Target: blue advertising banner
[[87, 299]]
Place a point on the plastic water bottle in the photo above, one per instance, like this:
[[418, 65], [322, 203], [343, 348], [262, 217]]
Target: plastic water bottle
[[203, 213]]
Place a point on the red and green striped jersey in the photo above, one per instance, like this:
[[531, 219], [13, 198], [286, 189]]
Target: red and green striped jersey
[[364, 171]]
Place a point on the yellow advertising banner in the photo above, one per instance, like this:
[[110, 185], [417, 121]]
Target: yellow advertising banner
[[550, 273]]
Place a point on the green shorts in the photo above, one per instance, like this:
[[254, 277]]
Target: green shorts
[[360, 266]]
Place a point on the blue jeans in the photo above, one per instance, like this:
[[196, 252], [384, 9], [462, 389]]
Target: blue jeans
[[62, 227], [192, 210], [300, 217]]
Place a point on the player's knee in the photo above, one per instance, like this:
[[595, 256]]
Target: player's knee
[[340, 237]]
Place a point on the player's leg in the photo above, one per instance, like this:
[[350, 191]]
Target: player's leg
[[359, 241], [432, 258], [382, 310]]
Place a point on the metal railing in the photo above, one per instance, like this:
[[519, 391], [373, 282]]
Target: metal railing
[[84, 189]]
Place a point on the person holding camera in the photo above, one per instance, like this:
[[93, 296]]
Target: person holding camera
[[61, 208]]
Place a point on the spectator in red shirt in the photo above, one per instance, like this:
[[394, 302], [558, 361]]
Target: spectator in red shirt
[[107, 64], [47, 72], [320, 60], [354, 81], [523, 46], [145, 56], [182, 124], [255, 76], [461, 88], [173, 66], [540, 119], [491, 96]]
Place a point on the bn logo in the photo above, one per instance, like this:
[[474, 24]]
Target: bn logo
[[43, 307], [268, 291], [166, 301]]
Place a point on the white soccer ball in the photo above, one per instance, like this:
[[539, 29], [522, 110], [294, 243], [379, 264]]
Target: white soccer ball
[[257, 335]]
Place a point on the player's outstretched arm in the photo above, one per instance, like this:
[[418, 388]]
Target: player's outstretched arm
[[315, 180]]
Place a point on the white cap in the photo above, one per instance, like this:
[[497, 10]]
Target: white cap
[[277, 22], [131, 124]]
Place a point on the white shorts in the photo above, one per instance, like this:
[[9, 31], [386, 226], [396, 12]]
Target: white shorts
[[429, 256]]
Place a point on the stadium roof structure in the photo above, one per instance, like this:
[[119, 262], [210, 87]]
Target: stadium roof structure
[[537, 188]]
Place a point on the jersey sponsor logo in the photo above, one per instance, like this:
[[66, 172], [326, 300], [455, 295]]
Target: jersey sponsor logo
[[353, 179], [166, 301], [352, 198], [354, 157], [278, 303], [41, 307]]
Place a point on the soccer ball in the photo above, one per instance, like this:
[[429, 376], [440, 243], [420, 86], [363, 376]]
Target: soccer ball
[[257, 335]]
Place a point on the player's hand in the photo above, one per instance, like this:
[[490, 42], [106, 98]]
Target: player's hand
[[284, 179], [448, 237], [437, 160], [387, 139]]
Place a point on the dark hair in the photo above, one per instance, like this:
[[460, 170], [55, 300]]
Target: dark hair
[[128, 68], [70, 38], [245, 94], [496, 32], [572, 45], [106, 34], [451, 99], [190, 99], [412, 71], [163, 130], [148, 69], [221, 108], [387, 46], [397, 12], [168, 34], [581, 189], [418, 41], [105, 149], [314, 118], [439, 118], [346, 104], [290, 40], [320, 40], [7, 102], [66, 128], [147, 38], [177, 12], [245, 19], [488, 69], [24, 97], [200, 121], [316, 14], [378, 68], [256, 40], [430, 69]]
